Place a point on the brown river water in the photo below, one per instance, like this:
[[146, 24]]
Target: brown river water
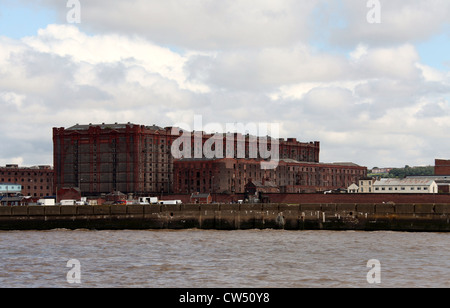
[[223, 259]]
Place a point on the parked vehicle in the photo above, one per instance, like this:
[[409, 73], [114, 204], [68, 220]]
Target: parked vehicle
[[148, 200], [120, 202], [168, 202], [46, 202], [68, 202]]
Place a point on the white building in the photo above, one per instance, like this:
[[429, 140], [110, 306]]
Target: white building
[[405, 186], [366, 185], [353, 189]]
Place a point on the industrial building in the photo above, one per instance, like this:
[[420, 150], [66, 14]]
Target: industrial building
[[35, 181], [131, 158], [229, 176], [406, 186], [442, 167]]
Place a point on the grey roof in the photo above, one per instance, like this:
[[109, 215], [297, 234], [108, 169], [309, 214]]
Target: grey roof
[[403, 182], [346, 164], [111, 126], [200, 196], [12, 199], [430, 177], [102, 126], [154, 127], [290, 160], [266, 184]]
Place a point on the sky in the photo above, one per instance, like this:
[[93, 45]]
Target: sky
[[369, 79]]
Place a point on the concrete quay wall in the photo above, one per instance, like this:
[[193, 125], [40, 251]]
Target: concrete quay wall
[[368, 217]]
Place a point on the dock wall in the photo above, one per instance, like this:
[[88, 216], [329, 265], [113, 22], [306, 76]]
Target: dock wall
[[369, 217]]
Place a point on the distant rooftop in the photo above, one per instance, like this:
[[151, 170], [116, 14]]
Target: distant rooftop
[[110, 126], [17, 167], [347, 164], [405, 182]]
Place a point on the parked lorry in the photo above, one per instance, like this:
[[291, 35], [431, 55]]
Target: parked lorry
[[46, 202], [148, 200]]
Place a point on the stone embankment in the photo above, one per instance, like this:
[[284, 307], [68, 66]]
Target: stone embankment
[[369, 217]]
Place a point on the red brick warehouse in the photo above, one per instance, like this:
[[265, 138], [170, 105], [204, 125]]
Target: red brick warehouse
[[36, 181], [100, 158], [229, 176]]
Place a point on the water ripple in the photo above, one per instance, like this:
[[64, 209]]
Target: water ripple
[[200, 258]]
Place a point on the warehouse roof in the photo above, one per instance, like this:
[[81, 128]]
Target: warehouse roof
[[110, 126], [403, 182], [102, 126]]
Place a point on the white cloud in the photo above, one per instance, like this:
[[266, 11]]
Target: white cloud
[[199, 24], [401, 21], [162, 62]]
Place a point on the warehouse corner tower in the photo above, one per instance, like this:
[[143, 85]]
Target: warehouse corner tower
[[113, 157]]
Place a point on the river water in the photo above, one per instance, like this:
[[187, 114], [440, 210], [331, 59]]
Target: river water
[[224, 259]]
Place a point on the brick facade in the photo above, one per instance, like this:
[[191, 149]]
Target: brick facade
[[442, 167], [36, 181], [138, 159], [113, 157], [229, 176]]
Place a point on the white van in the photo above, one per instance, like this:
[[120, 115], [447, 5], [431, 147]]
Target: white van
[[171, 202], [148, 200], [68, 202]]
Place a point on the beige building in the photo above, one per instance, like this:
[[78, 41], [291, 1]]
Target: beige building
[[405, 186], [353, 189], [366, 185]]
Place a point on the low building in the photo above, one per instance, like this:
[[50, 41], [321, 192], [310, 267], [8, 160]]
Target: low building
[[12, 201], [405, 186], [68, 193], [264, 186], [442, 181], [353, 189], [366, 185], [198, 198], [381, 170]]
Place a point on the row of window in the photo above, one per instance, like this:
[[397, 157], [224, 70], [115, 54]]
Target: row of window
[[401, 188], [25, 173], [28, 180]]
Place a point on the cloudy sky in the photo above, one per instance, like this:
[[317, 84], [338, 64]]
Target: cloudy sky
[[375, 93]]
